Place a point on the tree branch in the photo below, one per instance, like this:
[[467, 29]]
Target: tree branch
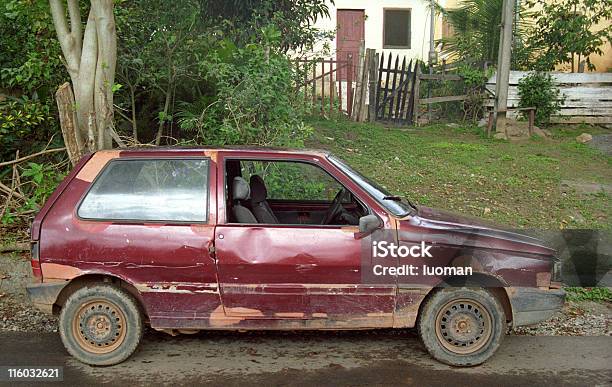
[[67, 42], [19, 160], [76, 29]]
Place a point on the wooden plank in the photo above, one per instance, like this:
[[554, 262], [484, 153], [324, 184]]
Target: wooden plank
[[411, 77], [339, 89], [393, 89], [331, 88], [585, 103], [358, 86], [559, 77], [573, 93], [441, 77], [359, 106], [581, 120], [372, 82], [417, 90], [349, 85], [384, 99], [443, 99], [314, 87], [379, 84], [398, 105], [570, 111]]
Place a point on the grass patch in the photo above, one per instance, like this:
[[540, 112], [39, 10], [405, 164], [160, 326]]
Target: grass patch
[[588, 294], [456, 168]]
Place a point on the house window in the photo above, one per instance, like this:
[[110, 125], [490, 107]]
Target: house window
[[396, 28]]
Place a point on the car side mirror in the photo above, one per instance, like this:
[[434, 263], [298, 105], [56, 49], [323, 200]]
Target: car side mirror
[[368, 223]]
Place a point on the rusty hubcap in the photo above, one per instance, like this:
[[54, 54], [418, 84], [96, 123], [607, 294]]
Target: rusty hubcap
[[463, 326], [99, 326]]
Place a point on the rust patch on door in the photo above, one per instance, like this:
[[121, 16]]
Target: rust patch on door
[[224, 317], [290, 315]]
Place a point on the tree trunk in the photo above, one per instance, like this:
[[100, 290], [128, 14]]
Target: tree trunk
[[68, 122], [160, 129], [133, 102], [90, 61]]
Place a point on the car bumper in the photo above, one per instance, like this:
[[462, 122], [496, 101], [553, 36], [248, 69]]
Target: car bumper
[[44, 295], [532, 305]]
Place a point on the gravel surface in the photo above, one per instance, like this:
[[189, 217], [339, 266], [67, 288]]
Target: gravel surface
[[582, 318], [19, 316]]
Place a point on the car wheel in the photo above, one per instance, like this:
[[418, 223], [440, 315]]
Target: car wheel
[[101, 325], [462, 326]]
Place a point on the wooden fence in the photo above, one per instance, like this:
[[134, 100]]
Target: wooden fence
[[325, 80], [395, 89], [588, 96]]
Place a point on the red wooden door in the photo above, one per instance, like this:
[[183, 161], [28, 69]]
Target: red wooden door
[[349, 35]]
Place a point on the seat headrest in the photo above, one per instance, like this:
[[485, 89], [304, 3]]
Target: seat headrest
[[259, 193], [240, 189]]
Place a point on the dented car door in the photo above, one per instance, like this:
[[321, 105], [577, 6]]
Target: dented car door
[[298, 272]]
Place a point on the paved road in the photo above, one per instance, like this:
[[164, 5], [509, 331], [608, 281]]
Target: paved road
[[322, 358]]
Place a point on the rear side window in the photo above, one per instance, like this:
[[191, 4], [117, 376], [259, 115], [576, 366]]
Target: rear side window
[[149, 190]]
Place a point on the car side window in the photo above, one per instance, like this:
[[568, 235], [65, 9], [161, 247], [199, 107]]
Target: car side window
[[149, 190], [287, 180]]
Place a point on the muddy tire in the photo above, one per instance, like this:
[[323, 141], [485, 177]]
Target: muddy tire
[[101, 324], [462, 326]]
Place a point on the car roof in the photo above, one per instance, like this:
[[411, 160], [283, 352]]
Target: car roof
[[229, 149]]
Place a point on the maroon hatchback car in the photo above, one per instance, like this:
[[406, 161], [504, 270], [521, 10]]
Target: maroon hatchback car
[[188, 239]]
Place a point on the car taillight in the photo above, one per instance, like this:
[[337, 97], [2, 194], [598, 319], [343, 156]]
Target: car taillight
[[35, 261], [556, 270]]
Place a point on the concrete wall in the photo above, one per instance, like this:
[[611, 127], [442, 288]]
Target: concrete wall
[[374, 24]]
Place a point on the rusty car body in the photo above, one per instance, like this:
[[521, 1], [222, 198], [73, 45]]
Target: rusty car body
[[214, 272]]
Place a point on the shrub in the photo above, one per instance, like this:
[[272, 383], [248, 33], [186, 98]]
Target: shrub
[[252, 99], [589, 294], [539, 90], [23, 121]]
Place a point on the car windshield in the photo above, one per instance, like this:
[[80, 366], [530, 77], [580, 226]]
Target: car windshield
[[394, 204]]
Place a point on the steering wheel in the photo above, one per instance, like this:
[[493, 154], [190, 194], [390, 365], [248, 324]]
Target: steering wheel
[[335, 207]]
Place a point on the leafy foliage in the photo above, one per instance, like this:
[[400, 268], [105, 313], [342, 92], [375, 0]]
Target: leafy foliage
[[293, 19], [589, 294], [309, 182], [474, 80], [30, 70], [539, 90], [252, 99], [23, 118], [475, 24], [39, 180], [564, 33]]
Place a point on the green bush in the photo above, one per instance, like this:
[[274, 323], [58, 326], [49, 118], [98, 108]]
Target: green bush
[[589, 294], [23, 120], [539, 90], [252, 99]]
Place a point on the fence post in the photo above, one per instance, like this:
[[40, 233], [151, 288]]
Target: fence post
[[372, 61], [323, 86], [349, 85], [314, 85], [417, 87], [331, 86], [358, 85]]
